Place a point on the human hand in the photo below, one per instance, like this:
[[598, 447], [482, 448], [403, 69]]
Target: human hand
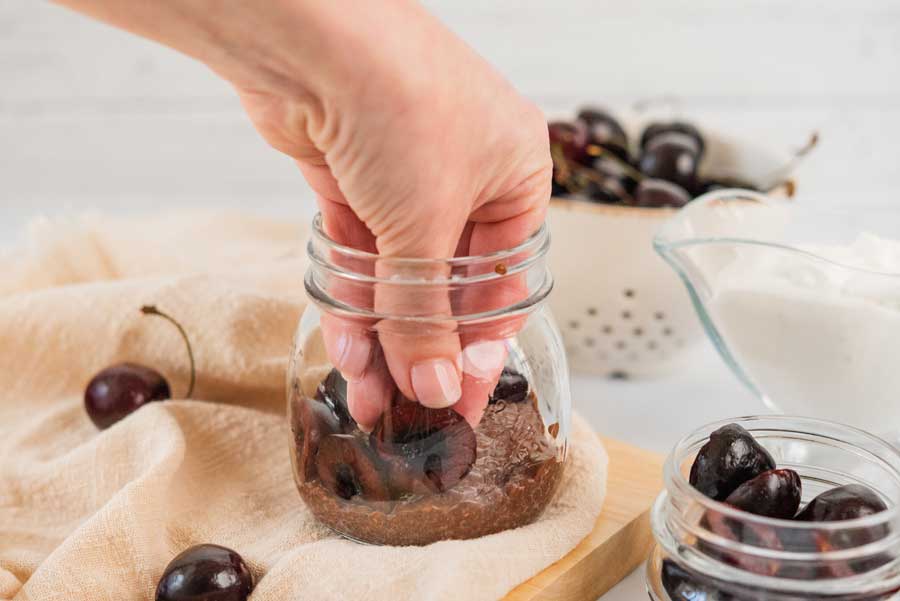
[[414, 146]]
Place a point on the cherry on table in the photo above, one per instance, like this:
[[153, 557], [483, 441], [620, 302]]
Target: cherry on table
[[332, 391], [119, 390], [730, 457], [205, 573]]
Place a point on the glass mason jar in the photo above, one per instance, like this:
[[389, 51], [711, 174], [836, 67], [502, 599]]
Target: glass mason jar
[[709, 551], [381, 468]]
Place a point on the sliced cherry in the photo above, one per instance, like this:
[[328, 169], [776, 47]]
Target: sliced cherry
[[434, 448], [332, 391], [348, 468], [730, 458]]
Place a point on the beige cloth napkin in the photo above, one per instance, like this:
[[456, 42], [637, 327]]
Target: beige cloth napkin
[[88, 515]]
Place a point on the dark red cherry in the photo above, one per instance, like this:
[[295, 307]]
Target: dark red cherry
[[122, 389], [604, 131], [843, 503], [658, 193], [571, 138], [727, 460], [774, 494], [682, 585], [348, 467], [205, 573], [511, 388], [679, 127], [314, 420], [673, 157], [332, 391], [119, 390], [434, 448]]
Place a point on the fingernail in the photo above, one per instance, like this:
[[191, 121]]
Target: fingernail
[[353, 353], [436, 383], [484, 360]]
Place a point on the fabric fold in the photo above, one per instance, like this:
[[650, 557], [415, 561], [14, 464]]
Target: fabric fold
[[88, 515]]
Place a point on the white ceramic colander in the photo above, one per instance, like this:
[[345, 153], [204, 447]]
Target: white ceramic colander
[[622, 310]]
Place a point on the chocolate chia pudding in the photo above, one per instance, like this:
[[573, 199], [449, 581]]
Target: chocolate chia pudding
[[424, 475]]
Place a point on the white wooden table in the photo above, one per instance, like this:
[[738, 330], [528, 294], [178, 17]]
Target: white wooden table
[[92, 118]]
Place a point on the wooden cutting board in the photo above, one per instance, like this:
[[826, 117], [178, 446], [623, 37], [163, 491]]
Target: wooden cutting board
[[621, 538]]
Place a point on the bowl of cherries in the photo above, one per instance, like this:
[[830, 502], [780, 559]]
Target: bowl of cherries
[[616, 179]]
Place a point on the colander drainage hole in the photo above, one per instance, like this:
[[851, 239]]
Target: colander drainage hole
[[592, 311], [667, 331], [589, 342], [574, 324], [626, 314], [629, 293], [659, 315], [638, 332], [607, 329], [621, 345], [652, 345]]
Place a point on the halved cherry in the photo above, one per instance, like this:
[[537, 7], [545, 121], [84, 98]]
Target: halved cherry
[[426, 448], [348, 468]]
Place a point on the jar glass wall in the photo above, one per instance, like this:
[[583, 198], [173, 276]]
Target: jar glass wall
[[708, 550], [376, 465]]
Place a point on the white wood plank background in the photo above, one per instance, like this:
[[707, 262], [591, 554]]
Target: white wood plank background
[[94, 118]]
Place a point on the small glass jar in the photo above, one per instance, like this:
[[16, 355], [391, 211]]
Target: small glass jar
[[381, 468], [709, 551]]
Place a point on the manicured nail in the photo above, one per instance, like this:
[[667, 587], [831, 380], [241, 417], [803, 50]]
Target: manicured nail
[[354, 353], [484, 359], [436, 383]]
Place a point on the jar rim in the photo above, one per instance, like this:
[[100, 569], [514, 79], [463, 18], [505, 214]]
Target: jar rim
[[535, 244], [675, 479], [464, 280]]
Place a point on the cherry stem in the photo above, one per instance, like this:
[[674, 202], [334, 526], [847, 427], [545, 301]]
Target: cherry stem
[[596, 151], [152, 310]]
